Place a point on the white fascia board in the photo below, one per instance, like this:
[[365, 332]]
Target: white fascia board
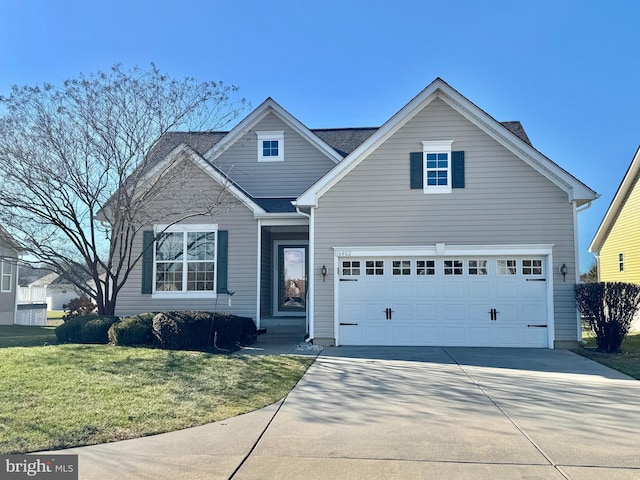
[[311, 196], [619, 198], [443, 250], [219, 178], [575, 189], [279, 220], [226, 183], [251, 120]]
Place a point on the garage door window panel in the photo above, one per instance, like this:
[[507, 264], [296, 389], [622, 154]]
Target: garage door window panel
[[402, 267], [478, 267], [374, 267], [507, 267], [532, 267], [453, 267], [350, 268], [425, 267]]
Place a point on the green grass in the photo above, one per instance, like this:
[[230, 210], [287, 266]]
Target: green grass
[[61, 396], [26, 336], [627, 362]]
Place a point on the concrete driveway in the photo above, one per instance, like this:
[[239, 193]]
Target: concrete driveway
[[456, 413], [404, 413]]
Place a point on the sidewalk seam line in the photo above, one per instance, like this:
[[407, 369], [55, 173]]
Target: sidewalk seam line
[[264, 430], [506, 415]]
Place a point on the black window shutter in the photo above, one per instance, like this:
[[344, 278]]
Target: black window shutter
[[417, 176], [223, 261], [147, 261], [457, 168]]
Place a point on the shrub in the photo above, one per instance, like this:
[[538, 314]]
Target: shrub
[[229, 330], [95, 330], [71, 330], [193, 330], [183, 330], [134, 330], [608, 308], [77, 307]]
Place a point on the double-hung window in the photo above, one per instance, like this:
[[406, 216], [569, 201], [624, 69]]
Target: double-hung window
[[437, 166], [271, 146], [7, 276], [185, 260]]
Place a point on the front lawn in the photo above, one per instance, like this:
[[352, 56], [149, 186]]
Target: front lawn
[[60, 396], [26, 336], [627, 362]]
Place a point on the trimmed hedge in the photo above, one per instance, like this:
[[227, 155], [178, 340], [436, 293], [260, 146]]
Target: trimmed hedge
[[95, 331], [181, 330], [71, 330], [134, 330], [195, 330]]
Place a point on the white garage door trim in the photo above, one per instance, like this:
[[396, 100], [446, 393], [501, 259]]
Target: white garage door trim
[[443, 250]]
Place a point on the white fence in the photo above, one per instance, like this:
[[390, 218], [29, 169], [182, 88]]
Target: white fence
[[32, 295], [32, 306]]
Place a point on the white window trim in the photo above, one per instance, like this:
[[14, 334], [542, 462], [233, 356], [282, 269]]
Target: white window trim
[[4, 274], [185, 294], [271, 135], [437, 146]]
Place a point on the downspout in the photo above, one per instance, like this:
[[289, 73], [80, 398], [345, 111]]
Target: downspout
[[310, 274], [259, 275]]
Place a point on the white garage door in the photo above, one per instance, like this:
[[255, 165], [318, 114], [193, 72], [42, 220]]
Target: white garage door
[[444, 301]]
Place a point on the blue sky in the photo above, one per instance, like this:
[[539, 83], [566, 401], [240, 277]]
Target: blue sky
[[568, 70]]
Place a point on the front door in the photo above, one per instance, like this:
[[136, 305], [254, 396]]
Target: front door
[[292, 279]]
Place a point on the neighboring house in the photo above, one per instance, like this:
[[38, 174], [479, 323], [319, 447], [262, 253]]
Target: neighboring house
[[9, 252], [44, 286], [58, 291], [616, 244], [441, 227]]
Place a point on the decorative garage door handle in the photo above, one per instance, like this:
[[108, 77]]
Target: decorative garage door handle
[[494, 314], [388, 313]]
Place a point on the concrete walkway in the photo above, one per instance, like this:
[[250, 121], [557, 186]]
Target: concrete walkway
[[460, 413]]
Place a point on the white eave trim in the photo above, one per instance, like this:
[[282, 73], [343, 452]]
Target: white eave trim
[[626, 185], [254, 118], [222, 180], [575, 189]]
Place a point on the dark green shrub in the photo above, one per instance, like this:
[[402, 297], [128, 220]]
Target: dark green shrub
[[229, 330], [188, 330], [71, 330], [78, 307], [608, 308], [134, 330], [194, 330], [95, 330]]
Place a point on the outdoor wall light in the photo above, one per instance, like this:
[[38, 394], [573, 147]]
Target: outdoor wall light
[[324, 273], [563, 271]]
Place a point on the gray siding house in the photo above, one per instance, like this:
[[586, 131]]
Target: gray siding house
[[441, 227], [8, 278]]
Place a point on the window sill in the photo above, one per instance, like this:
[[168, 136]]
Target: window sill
[[187, 295]]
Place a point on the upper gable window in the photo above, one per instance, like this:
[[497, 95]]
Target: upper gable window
[[437, 166], [271, 146]]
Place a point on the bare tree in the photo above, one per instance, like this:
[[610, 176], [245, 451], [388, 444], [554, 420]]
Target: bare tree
[[79, 173]]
